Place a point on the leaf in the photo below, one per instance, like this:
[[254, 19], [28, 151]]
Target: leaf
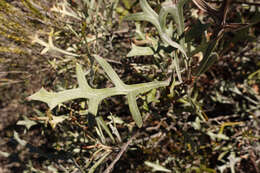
[[128, 3], [115, 119], [53, 99], [97, 163], [4, 154], [140, 51], [156, 167], [159, 22], [26, 122], [81, 78], [232, 161], [176, 66], [208, 57], [217, 136], [147, 9], [95, 96], [18, 139], [206, 63], [196, 124], [110, 72], [151, 16], [44, 96], [138, 31], [176, 11], [151, 97], [174, 44], [56, 119], [101, 121], [134, 109], [144, 17]]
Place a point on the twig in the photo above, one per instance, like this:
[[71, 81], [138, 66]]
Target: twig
[[236, 2], [123, 149], [77, 165]]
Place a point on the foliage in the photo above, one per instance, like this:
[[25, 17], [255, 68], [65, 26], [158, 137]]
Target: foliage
[[191, 84]]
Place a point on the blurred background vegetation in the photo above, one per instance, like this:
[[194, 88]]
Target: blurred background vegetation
[[174, 137]]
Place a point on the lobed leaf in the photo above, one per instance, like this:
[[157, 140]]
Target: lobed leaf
[[149, 15], [95, 96], [159, 21]]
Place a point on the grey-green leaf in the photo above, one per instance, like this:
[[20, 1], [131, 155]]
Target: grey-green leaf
[[110, 72], [140, 51], [131, 97], [147, 9], [95, 96], [26, 122], [208, 58], [81, 78]]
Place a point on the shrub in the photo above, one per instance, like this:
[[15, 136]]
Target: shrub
[[191, 109]]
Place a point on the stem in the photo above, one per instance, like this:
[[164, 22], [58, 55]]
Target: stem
[[123, 149], [235, 2]]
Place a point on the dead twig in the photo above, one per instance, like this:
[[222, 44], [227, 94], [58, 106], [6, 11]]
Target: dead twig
[[236, 2], [119, 155]]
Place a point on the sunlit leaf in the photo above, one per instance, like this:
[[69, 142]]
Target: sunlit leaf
[[57, 119], [134, 109], [18, 139], [151, 16], [4, 154], [217, 136], [140, 51], [95, 96], [156, 167], [26, 122]]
